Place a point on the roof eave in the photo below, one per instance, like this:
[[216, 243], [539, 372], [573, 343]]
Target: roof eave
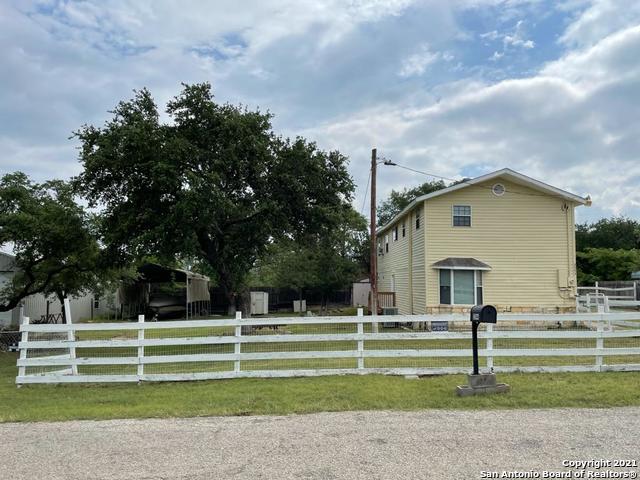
[[483, 178]]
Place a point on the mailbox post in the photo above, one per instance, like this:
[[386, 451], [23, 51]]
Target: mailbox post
[[481, 383], [480, 314]]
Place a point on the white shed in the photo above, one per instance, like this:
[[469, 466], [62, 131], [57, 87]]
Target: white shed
[[360, 293]]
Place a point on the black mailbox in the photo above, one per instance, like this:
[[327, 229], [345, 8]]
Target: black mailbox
[[484, 314], [480, 314]]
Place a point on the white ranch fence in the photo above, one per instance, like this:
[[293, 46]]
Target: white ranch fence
[[312, 346], [601, 298]]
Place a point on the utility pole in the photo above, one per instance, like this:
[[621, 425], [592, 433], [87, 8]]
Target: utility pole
[[373, 276]]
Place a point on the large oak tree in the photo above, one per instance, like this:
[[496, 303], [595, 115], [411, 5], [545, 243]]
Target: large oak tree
[[213, 182]]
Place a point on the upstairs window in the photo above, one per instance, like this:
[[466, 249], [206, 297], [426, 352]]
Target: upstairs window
[[417, 219], [404, 230], [386, 243], [461, 216], [395, 233]]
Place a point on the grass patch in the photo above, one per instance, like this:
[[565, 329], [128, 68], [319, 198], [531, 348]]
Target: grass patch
[[301, 395]]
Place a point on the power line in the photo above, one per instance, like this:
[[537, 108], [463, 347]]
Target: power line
[[366, 191], [467, 182]]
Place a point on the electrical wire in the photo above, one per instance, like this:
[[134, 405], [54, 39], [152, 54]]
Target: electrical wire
[[366, 191], [467, 182]]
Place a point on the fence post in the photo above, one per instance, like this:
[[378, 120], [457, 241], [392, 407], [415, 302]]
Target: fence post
[[140, 347], [22, 371], [599, 343], [71, 336], [597, 291], [237, 350], [490, 346], [360, 342]]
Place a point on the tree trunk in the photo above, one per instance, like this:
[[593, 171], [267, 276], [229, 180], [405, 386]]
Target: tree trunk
[[245, 303], [61, 296], [231, 299], [229, 293]]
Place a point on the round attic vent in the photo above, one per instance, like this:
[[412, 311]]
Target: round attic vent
[[498, 189]]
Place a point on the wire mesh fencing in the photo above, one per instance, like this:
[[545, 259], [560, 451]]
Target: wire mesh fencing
[[297, 346]]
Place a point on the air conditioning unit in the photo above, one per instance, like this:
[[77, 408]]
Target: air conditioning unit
[[389, 311]]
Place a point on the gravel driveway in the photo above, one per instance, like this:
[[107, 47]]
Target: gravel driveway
[[360, 445]]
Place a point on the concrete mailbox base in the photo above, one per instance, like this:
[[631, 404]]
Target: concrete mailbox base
[[481, 384]]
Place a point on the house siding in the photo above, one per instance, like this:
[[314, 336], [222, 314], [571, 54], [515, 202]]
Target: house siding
[[524, 235], [418, 270], [404, 265]]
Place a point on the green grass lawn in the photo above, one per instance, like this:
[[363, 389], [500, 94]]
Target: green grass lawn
[[301, 395]]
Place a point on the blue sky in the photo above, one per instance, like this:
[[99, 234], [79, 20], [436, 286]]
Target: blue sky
[[456, 88]]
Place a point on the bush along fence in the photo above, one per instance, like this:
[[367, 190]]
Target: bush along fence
[[310, 346]]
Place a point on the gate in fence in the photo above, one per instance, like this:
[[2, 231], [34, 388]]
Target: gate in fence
[[600, 298], [303, 346]]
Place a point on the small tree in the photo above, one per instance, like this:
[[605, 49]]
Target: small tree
[[398, 200], [325, 263], [291, 265], [51, 236]]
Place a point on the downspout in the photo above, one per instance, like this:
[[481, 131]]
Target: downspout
[[570, 290]]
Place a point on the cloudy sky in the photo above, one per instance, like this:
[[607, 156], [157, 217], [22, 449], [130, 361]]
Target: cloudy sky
[[450, 87]]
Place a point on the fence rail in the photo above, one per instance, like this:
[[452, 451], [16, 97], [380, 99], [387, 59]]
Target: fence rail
[[309, 346], [601, 298]]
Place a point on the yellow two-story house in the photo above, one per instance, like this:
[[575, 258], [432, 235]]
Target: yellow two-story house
[[503, 239]]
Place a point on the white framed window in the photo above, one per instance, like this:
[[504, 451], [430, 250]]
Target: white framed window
[[461, 287], [461, 215], [386, 243], [417, 219], [498, 189], [404, 229], [395, 233]]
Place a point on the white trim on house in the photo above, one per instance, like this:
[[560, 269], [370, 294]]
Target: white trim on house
[[453, 223], [482, 269], [477, 274], [512, 175]]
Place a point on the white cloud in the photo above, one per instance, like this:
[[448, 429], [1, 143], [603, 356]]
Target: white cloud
[[600, 19], [514, 39], [492, 35], [329, 70], [575, 125], [416, 64]]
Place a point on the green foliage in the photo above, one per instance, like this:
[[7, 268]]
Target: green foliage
[[617, 233], [324, 262], [398, 200], [52, 239], [597, 264], [607, 249], [214, 184]]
